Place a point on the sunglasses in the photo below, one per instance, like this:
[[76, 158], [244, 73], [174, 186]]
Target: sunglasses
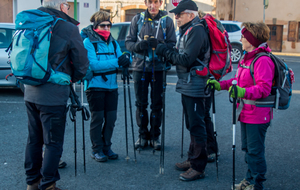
[[179, 14], [67, 5], [103, 25]]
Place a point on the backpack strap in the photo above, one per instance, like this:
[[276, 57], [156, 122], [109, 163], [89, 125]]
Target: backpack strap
[[115, 49], [103, 75], [253, 61]]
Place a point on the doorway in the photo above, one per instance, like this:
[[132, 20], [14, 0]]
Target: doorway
[[275, 40]]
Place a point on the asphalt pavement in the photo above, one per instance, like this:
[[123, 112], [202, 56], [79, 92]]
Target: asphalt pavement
[[282, 148]]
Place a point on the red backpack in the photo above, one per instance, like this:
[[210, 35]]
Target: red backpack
[[220, 59]]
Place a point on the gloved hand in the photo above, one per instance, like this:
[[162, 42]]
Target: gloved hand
[[240, 92], [215, 83], [88, 75], [152, 42], [125, 72], [161, 50], [141, 46], [124, 60]]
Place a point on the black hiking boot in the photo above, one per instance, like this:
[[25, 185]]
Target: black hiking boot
[[155, 144], [141, 143]]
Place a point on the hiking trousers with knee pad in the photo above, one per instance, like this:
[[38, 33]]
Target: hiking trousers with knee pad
[[103, 108], [141, 94], [46, 126], [194, 119]]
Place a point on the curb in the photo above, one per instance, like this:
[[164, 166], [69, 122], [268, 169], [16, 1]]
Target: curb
[[286, 54]]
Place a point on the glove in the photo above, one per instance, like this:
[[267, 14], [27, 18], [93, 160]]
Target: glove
[[215, 83], [88, 75], [161, 50], [124, 60], [240, 92], [125, 72], [141, 46], [152, 42]]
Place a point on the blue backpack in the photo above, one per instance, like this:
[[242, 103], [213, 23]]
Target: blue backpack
[[281, 92], [29, 49]]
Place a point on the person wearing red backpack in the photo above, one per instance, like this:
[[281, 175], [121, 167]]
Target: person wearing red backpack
[[254, 120], [192, 53]]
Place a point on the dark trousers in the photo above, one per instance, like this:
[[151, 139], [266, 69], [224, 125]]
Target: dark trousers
[[103, 107], [253, 143], [46, 126], [141, 94], [212, 146], [194, 109]]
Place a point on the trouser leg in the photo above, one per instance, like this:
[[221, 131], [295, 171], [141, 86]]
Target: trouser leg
[[253, 143], [156, 105], [141, 95], [194, 115], [212, 146], [33, 152], [110, 114], [96, 105]]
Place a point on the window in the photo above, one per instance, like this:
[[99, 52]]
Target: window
[[5, 37], [292, 31], [231, 27], [115, 31], [298, 32]]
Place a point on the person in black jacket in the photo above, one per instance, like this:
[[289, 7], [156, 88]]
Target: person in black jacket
[[47, 104], [157, 24], [193, 52]]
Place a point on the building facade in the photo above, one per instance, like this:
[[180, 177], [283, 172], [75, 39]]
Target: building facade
[[125, 10], [85, 8], [283, 19]]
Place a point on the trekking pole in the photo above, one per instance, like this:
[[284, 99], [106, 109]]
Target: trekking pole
[[182, 131], [130, 109], [85, 115], [143, 86], [153, 91], [162, 153], [125, 110], [234, 100], [214, 125], [72, 114]]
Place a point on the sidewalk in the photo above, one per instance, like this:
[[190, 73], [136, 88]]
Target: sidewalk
[[286, 54]]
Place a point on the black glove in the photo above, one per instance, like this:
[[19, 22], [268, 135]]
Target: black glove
[[141, 46], [124, 60], [161, 50], [125, 72], [152, 42]]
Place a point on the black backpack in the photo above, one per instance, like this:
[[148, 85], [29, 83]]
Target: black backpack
[[281, 92]]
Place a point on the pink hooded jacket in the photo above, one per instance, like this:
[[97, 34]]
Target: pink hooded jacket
[[264, 70]]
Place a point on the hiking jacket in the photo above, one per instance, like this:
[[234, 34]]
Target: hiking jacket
[[65, 42], [147, 29], [195, 45], [101, 63], [264, 70]]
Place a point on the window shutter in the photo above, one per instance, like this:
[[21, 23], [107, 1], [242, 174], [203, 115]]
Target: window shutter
[[292, 31]]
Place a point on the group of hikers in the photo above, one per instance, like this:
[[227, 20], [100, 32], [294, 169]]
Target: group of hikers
[[94, 56]]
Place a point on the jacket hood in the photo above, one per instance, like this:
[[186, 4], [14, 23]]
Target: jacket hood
[[59, 14], [264, 47], [183, 28]]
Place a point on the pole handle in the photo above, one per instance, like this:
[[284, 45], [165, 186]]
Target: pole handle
[[152, 48], [146, 37]]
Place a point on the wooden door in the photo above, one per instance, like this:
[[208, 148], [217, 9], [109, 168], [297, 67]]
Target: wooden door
[[275, 40], [6, 10], [129, 14]]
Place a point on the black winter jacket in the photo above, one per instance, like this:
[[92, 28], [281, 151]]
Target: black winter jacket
[[195, 46], [132, 39], [65, 41]]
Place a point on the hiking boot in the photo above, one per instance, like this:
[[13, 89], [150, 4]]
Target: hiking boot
[[111, 155], [155, 144], [191, 175], [53, 187], [34, 186], [183, 166], [62, 164], [211, 157], [99, 157], [242, 185], [250, 187], [141, 143]]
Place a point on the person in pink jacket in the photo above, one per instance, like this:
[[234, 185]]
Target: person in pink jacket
[[254, 120]]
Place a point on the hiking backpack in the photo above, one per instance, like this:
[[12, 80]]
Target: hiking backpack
[[29, 49], [281, 92], [220, 48]]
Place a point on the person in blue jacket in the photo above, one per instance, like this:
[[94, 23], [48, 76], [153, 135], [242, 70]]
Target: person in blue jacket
[[105, 57]]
